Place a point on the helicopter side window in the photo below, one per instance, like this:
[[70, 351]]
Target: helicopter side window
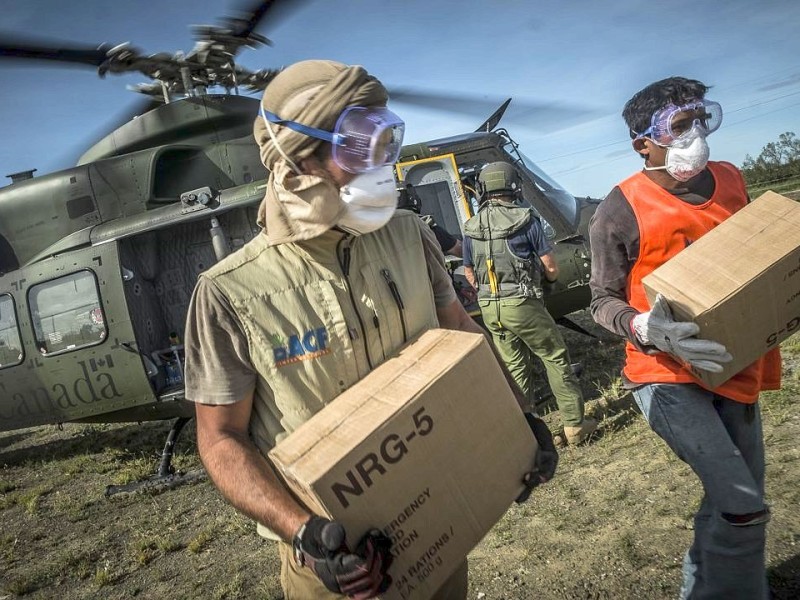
[[66, 313], [10, 342]]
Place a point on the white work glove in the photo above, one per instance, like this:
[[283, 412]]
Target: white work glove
[[658, 328]]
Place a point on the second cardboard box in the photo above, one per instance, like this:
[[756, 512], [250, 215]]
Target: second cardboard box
[[740, 282]]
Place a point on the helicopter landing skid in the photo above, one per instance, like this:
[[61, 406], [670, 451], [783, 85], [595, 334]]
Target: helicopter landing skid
[[570, 324], [166, 477], [157, 483]]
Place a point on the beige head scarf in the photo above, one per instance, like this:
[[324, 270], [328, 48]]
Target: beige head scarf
[[314, 93]]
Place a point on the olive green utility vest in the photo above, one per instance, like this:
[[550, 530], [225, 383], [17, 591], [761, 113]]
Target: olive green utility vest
[[321, 313], [510, 276]]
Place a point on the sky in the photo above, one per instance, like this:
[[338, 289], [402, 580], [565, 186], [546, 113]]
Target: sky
[[569, 66]]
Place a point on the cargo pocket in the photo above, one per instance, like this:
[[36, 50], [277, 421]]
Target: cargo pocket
[[387, 306]]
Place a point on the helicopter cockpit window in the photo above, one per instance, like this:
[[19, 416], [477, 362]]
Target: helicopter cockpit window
[[10, 342], [66, 313], [561, 198]]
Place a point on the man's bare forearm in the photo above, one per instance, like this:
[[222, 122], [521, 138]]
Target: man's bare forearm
[[469, 275], [247, 481]]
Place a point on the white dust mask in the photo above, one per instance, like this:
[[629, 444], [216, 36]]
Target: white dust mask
[[687, 156], [370, 201]]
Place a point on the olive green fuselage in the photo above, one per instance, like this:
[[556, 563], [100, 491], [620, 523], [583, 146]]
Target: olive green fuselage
[[98, 262]]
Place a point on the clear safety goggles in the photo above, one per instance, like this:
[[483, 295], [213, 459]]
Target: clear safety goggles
[[363, 139], [671, 122]]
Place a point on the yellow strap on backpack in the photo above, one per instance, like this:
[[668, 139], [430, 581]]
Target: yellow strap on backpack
[[492, 276], [495, 289]]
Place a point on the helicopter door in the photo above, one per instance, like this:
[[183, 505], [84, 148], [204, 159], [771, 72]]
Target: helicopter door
[[78, 355], [438, 185]]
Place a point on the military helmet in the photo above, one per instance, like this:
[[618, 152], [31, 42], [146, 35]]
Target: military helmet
[[499, 177]]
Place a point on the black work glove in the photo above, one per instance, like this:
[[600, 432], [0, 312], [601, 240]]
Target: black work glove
[[319, 545], [546, 457]]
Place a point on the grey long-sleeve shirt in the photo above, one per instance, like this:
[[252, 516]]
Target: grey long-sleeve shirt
[[614, 239]]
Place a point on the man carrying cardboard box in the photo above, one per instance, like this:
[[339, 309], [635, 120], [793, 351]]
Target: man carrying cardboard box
[[334, 285], [641, 224]]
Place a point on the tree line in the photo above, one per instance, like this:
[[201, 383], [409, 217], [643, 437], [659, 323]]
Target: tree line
[[778, 162]]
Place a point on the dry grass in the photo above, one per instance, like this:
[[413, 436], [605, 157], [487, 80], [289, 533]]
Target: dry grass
[[613, 524]]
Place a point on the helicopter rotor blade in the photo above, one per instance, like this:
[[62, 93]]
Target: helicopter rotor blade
[[245, 25], [237, 31], [106, 58], [252, 17], [454, 102], [255, 81], [16, 47], [541, 115], [210, 63]]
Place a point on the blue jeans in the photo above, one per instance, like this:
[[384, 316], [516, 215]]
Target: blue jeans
[[722, 441]]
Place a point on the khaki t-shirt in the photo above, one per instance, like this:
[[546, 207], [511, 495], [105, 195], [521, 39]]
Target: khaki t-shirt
[[218, 366]]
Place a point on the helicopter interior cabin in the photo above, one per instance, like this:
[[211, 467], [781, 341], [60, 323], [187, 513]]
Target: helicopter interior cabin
[[159, 272], [437, 184]]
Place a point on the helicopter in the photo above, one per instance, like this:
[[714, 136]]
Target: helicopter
[[98, 261]]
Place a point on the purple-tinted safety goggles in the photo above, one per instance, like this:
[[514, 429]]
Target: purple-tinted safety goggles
[[363, 139], [671, 122], [369, 138]]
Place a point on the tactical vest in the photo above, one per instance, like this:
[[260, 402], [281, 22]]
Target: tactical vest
[[666, 226], [498, 271]]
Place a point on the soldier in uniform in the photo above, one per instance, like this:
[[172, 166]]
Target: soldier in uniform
[[506, 254]]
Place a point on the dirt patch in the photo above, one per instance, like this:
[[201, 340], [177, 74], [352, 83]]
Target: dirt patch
[[794, 195], [614, 524]]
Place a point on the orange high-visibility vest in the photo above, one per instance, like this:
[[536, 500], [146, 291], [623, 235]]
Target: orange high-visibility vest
[[666, 226]]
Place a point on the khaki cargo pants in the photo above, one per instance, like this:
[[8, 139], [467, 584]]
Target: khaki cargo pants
[[299, 583], [523, 330]]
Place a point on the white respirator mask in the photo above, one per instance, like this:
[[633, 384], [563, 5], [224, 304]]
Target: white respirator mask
[[687, 156], [682, 130], [370, 201]]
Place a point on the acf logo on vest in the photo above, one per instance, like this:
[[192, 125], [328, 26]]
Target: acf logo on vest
[[311, 344]]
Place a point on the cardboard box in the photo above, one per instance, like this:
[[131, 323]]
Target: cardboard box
[[740, 282], [430, 447]]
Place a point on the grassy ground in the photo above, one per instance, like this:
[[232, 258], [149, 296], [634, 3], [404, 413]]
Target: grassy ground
[[614, 523], [791, 189]]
